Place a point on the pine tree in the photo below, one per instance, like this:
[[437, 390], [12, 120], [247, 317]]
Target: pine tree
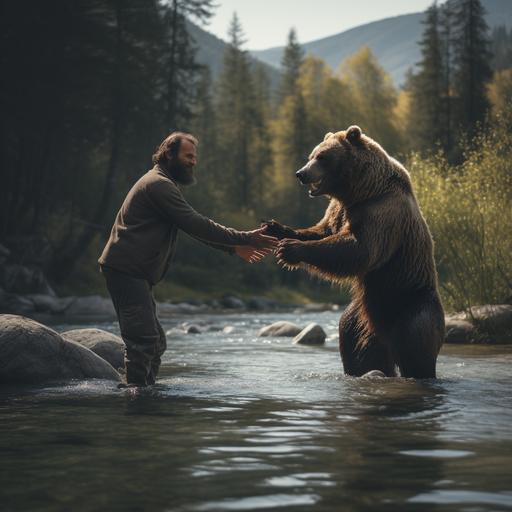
[[427, 88], [181, 65], [235, 93], [293, 57], [471, 60], [445, 32]]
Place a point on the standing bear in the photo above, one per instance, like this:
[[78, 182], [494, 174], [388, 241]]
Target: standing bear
[[374, 234]]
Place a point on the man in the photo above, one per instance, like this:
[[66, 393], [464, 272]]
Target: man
[[141, 245]]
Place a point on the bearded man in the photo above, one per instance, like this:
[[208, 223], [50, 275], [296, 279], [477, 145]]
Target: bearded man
[[141, 244]]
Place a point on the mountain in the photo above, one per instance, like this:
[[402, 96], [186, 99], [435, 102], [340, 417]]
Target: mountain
[[394, 41], [210, 52]]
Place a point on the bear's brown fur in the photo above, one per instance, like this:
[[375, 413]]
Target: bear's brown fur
[[374, 234]]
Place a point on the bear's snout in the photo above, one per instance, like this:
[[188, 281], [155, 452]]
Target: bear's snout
[[310, 173], [302, 175]]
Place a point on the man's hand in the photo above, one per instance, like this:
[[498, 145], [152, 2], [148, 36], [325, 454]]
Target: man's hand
[[260, 241], [288, 253], [251, 254]]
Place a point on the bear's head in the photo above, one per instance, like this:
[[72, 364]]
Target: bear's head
[[347, 165]]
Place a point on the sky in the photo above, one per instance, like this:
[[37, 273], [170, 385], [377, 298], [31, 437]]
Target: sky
[[266, 23]]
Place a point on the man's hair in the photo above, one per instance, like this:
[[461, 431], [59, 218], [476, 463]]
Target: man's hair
[[171, 144]]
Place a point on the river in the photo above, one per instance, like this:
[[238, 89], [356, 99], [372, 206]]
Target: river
[[242, 423]]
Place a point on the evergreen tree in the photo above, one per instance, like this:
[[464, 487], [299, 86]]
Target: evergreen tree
[[180, 60], [471, 60], [260, 144], [235, 94], [427, 87], [293, 57], [445, 32]]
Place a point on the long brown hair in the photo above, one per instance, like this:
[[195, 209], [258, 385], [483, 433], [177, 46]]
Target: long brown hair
[[172, 145]]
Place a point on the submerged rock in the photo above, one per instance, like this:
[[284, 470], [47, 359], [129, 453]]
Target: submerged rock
[[373, 374], [193, 329], [281, 328], [312, 334], [103, 343], [31, 353]]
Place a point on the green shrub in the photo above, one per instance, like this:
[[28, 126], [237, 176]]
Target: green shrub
[[468, 209]]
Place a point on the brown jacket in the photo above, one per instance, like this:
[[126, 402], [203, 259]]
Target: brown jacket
[[143, 237]]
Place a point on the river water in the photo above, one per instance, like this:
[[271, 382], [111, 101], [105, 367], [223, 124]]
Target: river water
[[241, 423]]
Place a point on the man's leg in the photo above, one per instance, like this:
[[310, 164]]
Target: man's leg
[[161, 346], [133, 303]]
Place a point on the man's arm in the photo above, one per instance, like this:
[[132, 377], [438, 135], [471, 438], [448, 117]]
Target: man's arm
[[170, 203]]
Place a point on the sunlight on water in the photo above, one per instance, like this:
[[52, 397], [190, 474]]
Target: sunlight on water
[[238, 422]]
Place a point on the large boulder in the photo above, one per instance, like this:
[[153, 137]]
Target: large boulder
[[491, 323], [31, 353], [107, 345], [312, 334], [459, 331], [281, 328]]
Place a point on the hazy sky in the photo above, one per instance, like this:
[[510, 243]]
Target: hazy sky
[[266, 23]]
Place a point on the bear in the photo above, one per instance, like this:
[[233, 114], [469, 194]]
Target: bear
[[374, 235]]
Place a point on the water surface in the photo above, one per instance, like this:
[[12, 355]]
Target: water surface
[[238, 422]]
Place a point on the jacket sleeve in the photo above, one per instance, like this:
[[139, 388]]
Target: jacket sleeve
[[167, 199], [230, 249]]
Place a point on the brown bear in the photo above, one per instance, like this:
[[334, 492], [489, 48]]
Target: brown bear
[[374, 234]]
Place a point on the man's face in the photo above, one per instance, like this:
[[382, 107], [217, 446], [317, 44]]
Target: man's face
[[182, 166]]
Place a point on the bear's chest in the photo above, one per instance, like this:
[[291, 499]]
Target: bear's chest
[[338, 221]]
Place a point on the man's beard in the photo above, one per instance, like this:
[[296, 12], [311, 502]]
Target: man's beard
[[182, 174]]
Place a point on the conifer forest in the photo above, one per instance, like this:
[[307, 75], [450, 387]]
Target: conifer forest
[[90, 88]]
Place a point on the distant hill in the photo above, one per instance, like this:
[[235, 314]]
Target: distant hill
[[394, 41], [210, 51]]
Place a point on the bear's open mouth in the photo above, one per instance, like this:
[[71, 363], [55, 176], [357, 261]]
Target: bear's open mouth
[[315, 187]]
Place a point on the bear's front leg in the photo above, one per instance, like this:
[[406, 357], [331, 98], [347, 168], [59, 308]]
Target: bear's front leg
[[289, 253], [333, 257], [274, 228]]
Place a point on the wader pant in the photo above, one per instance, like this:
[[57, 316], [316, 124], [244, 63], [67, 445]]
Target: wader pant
[[140, 329]]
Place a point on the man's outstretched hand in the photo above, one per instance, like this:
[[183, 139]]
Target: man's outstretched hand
[[251, 254], [259, 240]]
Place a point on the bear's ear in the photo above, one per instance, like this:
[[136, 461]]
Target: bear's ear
[[353, 134], [327, 135]]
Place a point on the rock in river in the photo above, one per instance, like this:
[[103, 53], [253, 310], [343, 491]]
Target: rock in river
[[312, 334], [490, 323], [281, 328], [107, 345], [31, 353]]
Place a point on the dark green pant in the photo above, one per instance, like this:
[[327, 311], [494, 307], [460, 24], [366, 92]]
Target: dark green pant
[[140, 329]]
